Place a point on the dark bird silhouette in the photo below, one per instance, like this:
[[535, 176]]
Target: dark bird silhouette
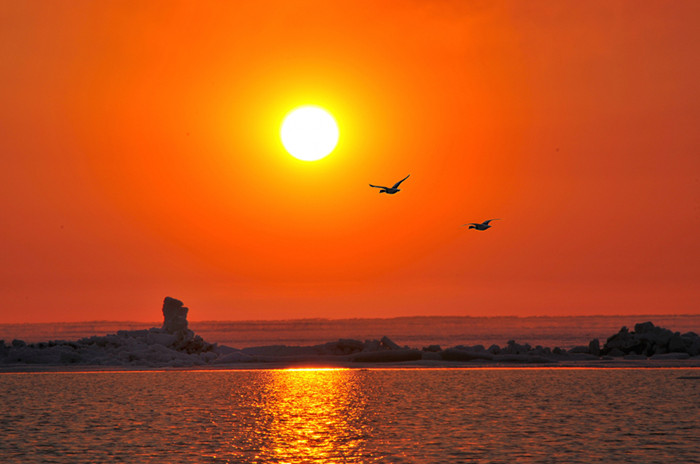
[[482, 226], [390, 190]]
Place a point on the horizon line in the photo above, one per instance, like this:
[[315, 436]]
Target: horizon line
[[103, 321]]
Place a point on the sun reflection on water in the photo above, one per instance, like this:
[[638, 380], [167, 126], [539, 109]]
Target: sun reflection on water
[[313, 416]]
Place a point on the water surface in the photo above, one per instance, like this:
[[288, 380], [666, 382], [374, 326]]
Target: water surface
[[352, 416]]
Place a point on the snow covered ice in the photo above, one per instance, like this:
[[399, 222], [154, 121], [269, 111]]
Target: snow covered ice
[[175, 345]]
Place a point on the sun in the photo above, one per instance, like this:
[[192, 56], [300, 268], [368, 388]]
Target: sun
[[309, 133]]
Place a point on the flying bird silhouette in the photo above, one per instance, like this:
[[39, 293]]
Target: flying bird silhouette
[[390, 190], [483, 226]]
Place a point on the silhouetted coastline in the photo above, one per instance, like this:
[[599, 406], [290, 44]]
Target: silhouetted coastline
[[175, 345]]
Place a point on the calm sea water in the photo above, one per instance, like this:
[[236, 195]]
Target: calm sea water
[[352, 416]]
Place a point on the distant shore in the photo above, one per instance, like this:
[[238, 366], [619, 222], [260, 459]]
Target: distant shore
[[565, 332], [423, 342]]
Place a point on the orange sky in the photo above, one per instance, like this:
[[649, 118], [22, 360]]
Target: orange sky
[[141, 158]]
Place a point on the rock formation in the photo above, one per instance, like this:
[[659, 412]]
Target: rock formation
[[175, 345], [174, 315], [650, 340]]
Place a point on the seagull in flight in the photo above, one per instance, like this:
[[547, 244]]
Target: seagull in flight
[[483, 226], [390, 190]]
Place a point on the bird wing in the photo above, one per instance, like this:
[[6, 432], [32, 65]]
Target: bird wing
[[396, 185], [377, 186], [487, 222], [470, 224]]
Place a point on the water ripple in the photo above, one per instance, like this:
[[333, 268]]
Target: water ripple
[[351, 416]]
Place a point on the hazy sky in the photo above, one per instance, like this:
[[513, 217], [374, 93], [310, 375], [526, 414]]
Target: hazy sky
[[141, 158]]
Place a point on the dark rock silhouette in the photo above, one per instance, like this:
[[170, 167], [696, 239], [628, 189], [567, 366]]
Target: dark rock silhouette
[[175, 345], [172, 345], [175, 323], [174, 315], [650, 340]]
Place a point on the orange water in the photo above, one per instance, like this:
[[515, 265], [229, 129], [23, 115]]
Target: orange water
[[352, 416]]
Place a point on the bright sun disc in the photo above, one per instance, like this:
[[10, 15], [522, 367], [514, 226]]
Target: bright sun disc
[[309, 133]]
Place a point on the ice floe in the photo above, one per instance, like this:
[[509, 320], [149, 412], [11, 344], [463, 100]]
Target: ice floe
[[175, 345]]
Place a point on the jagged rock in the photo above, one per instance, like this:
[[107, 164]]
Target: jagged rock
[[675, 344], [650, 340], [542, 351], [193, 345], [694, 349], [616, 352], [175, 345], [494, 349], [687, 341], [643, 327], [620, 340], [515, 348], [625, 342], [646, 331], [174, 315]]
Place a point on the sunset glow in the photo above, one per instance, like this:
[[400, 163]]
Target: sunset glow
[[324, 232], [143, 156]]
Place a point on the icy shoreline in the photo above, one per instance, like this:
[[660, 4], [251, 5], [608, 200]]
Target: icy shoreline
[[175, 346], [562, 331]]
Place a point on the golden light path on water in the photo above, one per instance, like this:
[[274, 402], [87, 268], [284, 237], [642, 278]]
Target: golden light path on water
[[313, 416], [267, 416]]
